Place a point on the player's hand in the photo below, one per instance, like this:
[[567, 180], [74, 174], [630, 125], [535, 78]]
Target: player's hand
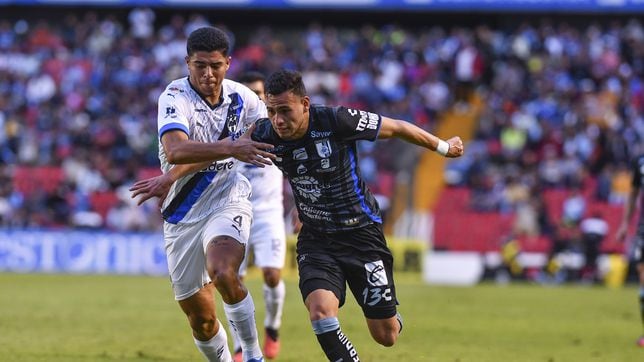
[[455, 147], [249, 151], [153, 187]]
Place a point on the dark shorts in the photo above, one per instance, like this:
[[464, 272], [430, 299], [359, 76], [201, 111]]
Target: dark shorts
[[359, 258]]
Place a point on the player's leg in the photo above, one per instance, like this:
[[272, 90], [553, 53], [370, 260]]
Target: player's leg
[[322, 285], [237, 350], [193, 290], [225, 238], [640, 271], [370, 277], [269, 250], [209, 334], [323, 306], [274, 295], [377, 297]]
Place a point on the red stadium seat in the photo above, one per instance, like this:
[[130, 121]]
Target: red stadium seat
[[29, 179], [102, 202]]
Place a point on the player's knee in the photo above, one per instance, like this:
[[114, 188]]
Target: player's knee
[[223, 276], [319, 311], [271, 276], [203, 324], [386, 337]]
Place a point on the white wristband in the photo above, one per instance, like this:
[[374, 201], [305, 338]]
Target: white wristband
[[442, 148]]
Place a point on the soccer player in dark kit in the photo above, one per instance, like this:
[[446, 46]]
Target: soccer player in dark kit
[[637, 168], [341, 241]]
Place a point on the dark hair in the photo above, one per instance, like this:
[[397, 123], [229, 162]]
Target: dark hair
[[208, 39], [285, 80], [250, 77]]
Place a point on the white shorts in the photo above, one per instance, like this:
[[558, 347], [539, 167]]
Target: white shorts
[[185, 245], [267, 241]]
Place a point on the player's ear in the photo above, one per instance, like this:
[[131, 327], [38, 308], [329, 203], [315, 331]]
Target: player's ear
[[228, 60], [187, 58], [306, 102]]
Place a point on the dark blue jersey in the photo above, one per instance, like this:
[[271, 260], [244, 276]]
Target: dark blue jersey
[[637, 168], [322, 168]]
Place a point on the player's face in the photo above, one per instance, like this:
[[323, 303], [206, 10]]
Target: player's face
[[257, 87], [207, 71], [289, 114]]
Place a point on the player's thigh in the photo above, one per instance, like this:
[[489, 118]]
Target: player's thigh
[[268, 240], [320, 271], [185, 258], [226, 234], [370, 277]]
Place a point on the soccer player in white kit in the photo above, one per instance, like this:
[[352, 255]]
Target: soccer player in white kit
[[267, 237], [208, 214]]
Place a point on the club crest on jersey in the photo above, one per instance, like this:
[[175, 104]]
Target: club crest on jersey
[[376, 275], [323, 147], [300, 154], [234, 112]]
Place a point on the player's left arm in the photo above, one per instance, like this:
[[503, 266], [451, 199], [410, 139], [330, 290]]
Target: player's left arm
[[411, 133]]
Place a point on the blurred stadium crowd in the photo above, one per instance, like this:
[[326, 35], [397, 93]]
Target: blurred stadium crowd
[[558, 106]]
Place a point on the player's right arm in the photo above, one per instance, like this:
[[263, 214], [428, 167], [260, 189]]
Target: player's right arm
[[353, 124], [411, 133]]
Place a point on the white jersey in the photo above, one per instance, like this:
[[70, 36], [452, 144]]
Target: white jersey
[[267, 184], [194, 197]]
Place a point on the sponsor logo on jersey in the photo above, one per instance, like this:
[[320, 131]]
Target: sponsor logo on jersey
[[300, 154], [376, 275], [170, 112], [314, 213], [349, 222], [320, 134], [323, 147], [301, 169], [200, 110], [308, 187], [219, 166], [325, 163]]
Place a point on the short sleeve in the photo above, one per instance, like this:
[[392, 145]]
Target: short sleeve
[[353, 124], [255, 109], [172, 113]]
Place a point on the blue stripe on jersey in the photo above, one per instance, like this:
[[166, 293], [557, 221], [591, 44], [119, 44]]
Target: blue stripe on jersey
[[205, 178], [173, 126], [358, 190]]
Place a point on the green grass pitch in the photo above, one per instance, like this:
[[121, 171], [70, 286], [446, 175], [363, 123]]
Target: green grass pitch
[[123, 318]]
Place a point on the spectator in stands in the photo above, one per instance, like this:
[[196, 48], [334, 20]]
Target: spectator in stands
[[593, 231]]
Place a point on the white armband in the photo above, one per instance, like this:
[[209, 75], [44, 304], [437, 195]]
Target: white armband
[[442, 148]]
